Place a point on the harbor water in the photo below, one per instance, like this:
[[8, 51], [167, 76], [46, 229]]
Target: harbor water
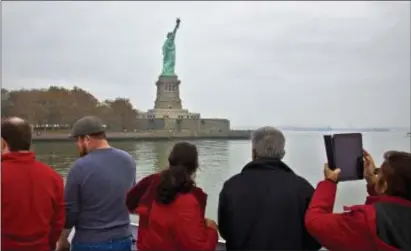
[[220, 159]]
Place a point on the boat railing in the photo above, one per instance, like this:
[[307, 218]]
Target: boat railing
[[134, 226]]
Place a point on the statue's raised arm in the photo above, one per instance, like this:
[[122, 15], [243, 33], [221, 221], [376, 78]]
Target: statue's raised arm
[[176, 27]]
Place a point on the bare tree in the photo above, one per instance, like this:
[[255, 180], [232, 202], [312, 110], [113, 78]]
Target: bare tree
[[61, 106]]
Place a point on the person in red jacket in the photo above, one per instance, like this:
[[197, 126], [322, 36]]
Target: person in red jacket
[[32, 194], [383, 223], [171, 207]]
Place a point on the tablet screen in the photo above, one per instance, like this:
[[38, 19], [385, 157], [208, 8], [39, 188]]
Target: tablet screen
[[348, 155]]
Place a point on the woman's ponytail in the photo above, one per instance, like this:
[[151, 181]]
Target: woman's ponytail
[[173, 181], [177, 178]]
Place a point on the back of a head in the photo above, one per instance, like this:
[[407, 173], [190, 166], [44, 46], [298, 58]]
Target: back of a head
[[183, 163], [184, 154], [17, 133], [268, 142], [396, 170]]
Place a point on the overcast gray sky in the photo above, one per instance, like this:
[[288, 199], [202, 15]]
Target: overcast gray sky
[[256, 63]]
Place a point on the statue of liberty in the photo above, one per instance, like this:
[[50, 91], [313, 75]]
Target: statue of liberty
[[169, 52]]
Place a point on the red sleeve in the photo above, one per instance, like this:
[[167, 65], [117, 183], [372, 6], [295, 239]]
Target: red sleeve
[[344, 231], [190, 229], [59, 215], [136, 192]]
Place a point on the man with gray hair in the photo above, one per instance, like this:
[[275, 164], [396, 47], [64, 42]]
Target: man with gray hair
[[263, 207]]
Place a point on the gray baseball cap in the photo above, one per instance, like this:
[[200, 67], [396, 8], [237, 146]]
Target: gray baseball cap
[[87, 125]]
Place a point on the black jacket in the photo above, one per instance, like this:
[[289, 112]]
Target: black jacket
[[263, 207]]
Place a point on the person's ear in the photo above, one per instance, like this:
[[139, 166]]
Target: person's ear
[[282, 154], [87, 139], [381, 185], [253, 154], [3, 145]]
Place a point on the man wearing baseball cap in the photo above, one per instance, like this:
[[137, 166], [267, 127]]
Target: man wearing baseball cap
[[95, 191]]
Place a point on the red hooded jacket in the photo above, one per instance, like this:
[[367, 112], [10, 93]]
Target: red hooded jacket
[[383, 223], [32, 203], [178, 226]]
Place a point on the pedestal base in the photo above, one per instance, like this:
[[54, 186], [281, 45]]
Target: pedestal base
[[168, 93]]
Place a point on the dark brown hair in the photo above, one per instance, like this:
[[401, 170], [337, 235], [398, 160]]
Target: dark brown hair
[[396, 170], [183, 163], [17, 133]]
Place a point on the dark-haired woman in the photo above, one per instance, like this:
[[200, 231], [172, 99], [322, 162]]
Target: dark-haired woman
[[171, 208], [383, 223]]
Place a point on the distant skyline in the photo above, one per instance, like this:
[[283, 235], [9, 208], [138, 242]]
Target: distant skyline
[[308, 64], [330, 128]]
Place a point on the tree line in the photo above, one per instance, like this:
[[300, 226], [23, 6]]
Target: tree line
[[58, 107]]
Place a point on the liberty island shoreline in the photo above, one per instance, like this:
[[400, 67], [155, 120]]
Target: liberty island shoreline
[[151, 136]]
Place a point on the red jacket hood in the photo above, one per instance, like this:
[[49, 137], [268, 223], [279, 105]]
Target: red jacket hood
[[19, 157]]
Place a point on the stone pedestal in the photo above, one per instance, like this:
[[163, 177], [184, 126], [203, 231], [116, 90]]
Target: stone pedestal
[[168, 93]]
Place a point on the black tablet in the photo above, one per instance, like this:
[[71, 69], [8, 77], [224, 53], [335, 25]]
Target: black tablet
[[345, 151]]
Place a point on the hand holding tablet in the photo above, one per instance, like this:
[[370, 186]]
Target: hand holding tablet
[[345, 152]]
